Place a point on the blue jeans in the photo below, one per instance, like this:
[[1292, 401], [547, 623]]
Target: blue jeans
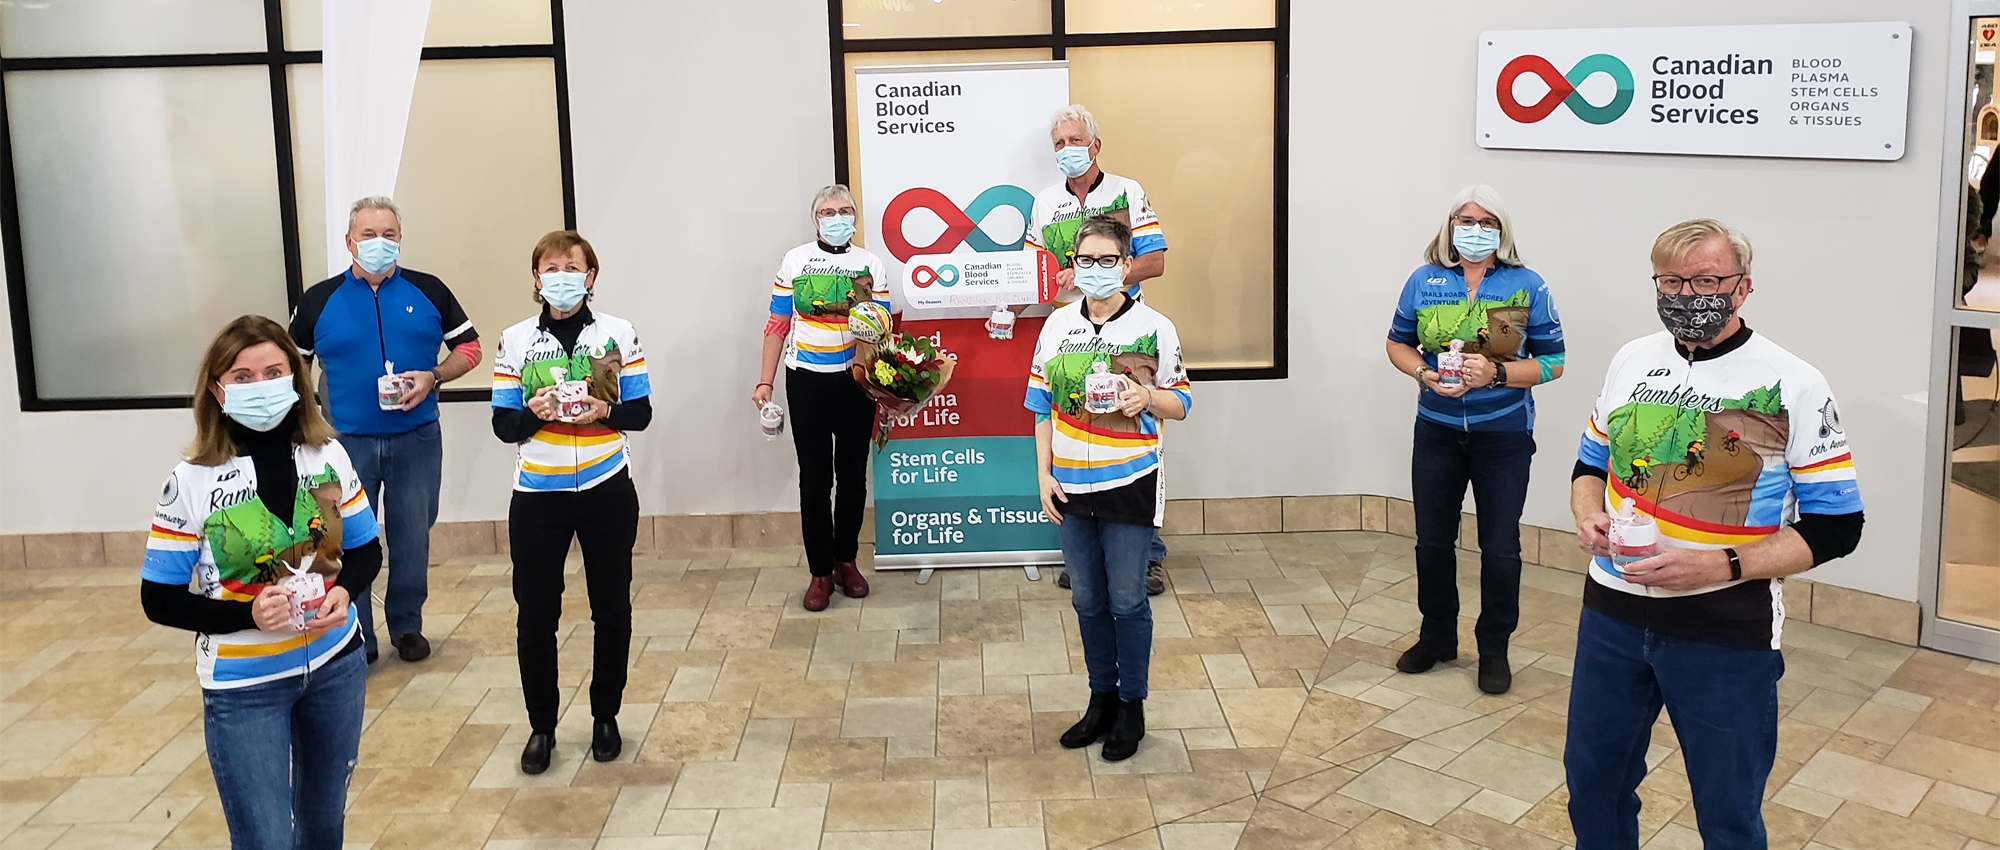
[[282, 753], [1724, 705], [1107, 580], [1156, 551], [1443, 460], [407, 469]]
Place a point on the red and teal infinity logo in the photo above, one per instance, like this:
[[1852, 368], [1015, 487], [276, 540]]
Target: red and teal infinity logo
[[1562, 88], [961, 227], [945, 275]]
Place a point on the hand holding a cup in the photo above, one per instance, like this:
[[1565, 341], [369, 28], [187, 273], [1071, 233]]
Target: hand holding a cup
[[543, 404], [272, 609], [1133, 398], [597, 409]]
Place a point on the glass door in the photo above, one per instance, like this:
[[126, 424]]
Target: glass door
[[1961, 591]]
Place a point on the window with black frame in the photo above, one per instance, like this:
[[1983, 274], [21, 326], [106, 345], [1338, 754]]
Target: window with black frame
[[1190, 100], [161, 172]]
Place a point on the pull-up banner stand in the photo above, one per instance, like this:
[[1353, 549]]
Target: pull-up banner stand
[[951, 156]]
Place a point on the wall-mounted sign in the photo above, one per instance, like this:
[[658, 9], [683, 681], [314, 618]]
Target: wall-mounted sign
[[1820, 91]]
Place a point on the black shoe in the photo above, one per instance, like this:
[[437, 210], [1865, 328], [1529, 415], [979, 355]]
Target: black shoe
[[1494, 675], [1424, 656], [535, 756], [411, 647], [1096, 721], [1156, 578], [604, 741], [1062, 579], [1123, 740]]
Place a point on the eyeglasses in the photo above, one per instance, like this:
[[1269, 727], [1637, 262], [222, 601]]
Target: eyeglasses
[[1702, 284], [1469, 221], [829, 212], [1085, 261]]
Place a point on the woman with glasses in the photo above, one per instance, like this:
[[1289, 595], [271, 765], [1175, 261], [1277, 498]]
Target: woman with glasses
[[817, 284], [1475, 427], [1106, 371]]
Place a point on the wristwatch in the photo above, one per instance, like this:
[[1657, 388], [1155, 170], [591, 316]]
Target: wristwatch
[[1499, 376], [1419, 375], [437, 379]]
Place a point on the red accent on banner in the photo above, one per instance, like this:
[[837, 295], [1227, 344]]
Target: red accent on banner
[[1045, 277], [987, 386]]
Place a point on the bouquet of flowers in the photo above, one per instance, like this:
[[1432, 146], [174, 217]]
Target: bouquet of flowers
[[904, 373]]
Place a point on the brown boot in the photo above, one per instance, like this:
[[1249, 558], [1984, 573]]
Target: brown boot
[[850, 579], [818, 593]]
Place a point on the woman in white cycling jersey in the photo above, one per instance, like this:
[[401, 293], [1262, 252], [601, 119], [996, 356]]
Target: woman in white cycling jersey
[[260, 540]]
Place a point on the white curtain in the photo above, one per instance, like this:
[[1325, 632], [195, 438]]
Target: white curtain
[[370, 52]]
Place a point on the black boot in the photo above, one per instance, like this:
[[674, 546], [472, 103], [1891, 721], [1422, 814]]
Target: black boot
[[535, 756], [1096, 721], [1425, 655], [1495, 677], [604, 741], [1123, 739]]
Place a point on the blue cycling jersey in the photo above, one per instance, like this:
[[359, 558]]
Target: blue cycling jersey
[[354, 329]]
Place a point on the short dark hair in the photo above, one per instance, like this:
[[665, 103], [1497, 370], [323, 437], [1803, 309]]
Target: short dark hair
[[1109, 228]]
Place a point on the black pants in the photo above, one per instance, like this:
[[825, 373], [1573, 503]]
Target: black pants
[[605, 521], [1442, 461], [831, 418]]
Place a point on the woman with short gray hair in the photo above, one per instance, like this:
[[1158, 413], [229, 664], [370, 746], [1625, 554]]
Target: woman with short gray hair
[[817, 284]]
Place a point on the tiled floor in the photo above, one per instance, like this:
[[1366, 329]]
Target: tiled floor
[[926, 717]]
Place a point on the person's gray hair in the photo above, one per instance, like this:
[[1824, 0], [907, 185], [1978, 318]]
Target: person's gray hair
[[1441, 251], [1676, 242], [374, 202], [830, 190], [1109, 228], [1075, 112]]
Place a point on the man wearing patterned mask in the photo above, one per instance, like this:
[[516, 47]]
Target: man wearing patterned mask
[[1086, 192], [378, 329], [1725, 464]]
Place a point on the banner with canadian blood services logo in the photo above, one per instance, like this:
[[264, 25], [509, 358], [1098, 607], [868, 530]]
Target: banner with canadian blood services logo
[[951, 159]]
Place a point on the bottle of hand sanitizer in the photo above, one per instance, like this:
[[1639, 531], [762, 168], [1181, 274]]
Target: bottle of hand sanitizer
[[1451, 365], [1634, 536]]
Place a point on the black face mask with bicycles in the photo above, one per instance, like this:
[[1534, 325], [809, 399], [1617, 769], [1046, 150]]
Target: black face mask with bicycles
[[1695, 318]]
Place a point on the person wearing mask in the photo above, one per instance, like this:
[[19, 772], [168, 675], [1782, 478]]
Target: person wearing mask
[[1088, 191], [374, 319], [1732, 449], [572, 482], [1479, 430], [266, 512], [831, 417], [1105, 372]]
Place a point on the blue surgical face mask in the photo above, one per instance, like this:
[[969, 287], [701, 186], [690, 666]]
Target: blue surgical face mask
[[1100, 282], [1473, 242], [836, 229], [1073, 161], [260, 405], [564, 290], [376, 255]]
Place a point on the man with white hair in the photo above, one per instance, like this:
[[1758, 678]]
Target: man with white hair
[[1088, 191], [1711, 440], [376, 320]]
